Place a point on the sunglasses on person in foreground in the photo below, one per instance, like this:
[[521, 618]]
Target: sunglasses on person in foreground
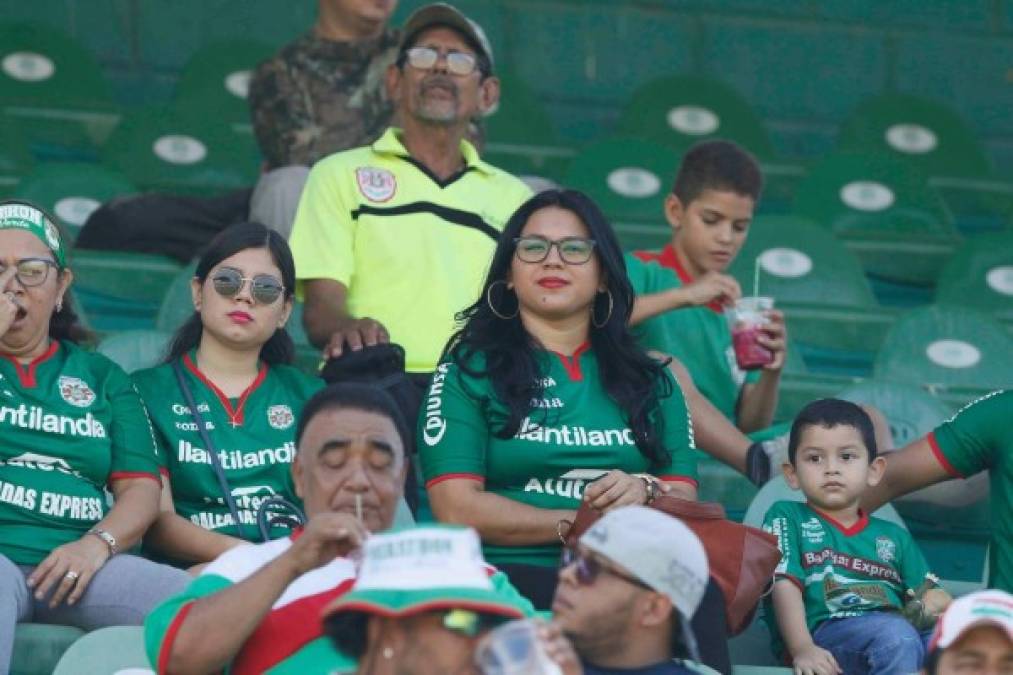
[[572, 250], [588, 568], [32, 271], [264, 288]]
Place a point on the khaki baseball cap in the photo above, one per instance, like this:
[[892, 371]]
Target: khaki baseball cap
[[441, 13]]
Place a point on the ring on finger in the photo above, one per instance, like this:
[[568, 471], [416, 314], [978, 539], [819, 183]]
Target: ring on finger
[[72, 575]]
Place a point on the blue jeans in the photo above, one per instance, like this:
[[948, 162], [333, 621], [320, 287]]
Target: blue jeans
[[877, 643]]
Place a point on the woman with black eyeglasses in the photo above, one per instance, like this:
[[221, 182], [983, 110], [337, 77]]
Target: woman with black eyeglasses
[[71, 425], [544, 399], [227, 371]]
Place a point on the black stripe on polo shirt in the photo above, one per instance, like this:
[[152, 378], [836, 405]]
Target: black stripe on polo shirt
[[452, 178], [455, 216]]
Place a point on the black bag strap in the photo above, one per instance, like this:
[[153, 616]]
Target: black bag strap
[[212, 451]]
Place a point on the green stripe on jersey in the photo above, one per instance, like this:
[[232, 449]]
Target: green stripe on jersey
[[69, 423], [256, 452], [574, 433]]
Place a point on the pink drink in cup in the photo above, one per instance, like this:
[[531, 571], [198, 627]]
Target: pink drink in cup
[[746, 319]]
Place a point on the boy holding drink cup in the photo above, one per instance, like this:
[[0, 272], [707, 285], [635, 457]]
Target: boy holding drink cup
[[687, 306]]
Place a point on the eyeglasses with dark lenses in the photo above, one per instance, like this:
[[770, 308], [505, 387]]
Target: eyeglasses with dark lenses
[[264, 288], [32, 271], [587, 568], [573, 250], [424, 58]]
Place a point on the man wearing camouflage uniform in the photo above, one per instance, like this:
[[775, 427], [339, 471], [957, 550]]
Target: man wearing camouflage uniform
[[319, 95]]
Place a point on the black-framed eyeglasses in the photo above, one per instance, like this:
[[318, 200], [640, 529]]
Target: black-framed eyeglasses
[[587, 568], [425, 58], [264, 288], [572, 250], [32, 271]]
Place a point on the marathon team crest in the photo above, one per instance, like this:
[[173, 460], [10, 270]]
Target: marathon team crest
[[75, 391], [280, 416], [376, 185]]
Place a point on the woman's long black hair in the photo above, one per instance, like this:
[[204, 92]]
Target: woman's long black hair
[[279, 348], [634, 380]]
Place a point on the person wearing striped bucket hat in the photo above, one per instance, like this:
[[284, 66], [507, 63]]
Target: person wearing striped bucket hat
[[422, 600], [974, 636]]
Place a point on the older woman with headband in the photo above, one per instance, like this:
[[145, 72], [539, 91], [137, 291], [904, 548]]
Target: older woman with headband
[[70, 425]]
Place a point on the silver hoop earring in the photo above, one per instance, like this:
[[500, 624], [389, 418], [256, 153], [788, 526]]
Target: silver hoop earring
[[388, 653], [607, 316], [492, 307]]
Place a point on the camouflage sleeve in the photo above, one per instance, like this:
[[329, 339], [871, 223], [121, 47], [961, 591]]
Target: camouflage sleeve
[[280, 115]]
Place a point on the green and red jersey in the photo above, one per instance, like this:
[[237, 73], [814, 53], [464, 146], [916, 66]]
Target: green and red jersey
[[843, 571], [698, 336], [254, 436], [573, 434], [71, 423], [979, 438], [290, 638]]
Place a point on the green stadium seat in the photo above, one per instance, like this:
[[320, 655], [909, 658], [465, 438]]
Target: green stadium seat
[[750, 651], [520, 136], [933, 137], [798, 389], [54, 89], [16, 160], [72, 191], [884, 211], [947, 347], [680, 110], [216, 80], [107, 651], [980, 275], [135, 349], [118, 290], [628, 178], [916, 130], [38, 647], [177, 303], [816, 281], [182, 152], [911, 411]]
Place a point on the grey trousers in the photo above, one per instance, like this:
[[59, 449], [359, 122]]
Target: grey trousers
[[276, 198], [121, 593]]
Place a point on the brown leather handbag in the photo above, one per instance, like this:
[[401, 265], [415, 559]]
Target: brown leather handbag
[[742, 558]]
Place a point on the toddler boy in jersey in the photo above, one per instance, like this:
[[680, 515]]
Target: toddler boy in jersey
[[844, 576], [682, 289]]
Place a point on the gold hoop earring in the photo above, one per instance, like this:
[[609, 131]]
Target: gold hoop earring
[[492, 308], [607, 316]]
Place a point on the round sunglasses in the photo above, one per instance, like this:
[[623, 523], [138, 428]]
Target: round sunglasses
[[264, 288]]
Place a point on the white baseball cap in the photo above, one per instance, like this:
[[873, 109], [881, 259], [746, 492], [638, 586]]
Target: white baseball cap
[[657, 549], [984, 608]]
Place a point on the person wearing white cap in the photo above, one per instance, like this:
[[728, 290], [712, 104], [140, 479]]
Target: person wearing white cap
[[421, 602], [974, 636], [626, 593]]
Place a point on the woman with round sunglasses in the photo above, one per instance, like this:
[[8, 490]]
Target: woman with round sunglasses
[[227, 369], [544, 400], [71, 425]]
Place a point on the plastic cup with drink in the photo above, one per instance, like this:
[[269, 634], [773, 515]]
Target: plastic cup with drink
[[747, 319], [514, 649]]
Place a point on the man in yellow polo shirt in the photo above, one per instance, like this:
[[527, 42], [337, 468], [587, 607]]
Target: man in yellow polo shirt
[[393, 239]]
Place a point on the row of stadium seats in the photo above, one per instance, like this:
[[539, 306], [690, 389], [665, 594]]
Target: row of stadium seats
[[53, 93]]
